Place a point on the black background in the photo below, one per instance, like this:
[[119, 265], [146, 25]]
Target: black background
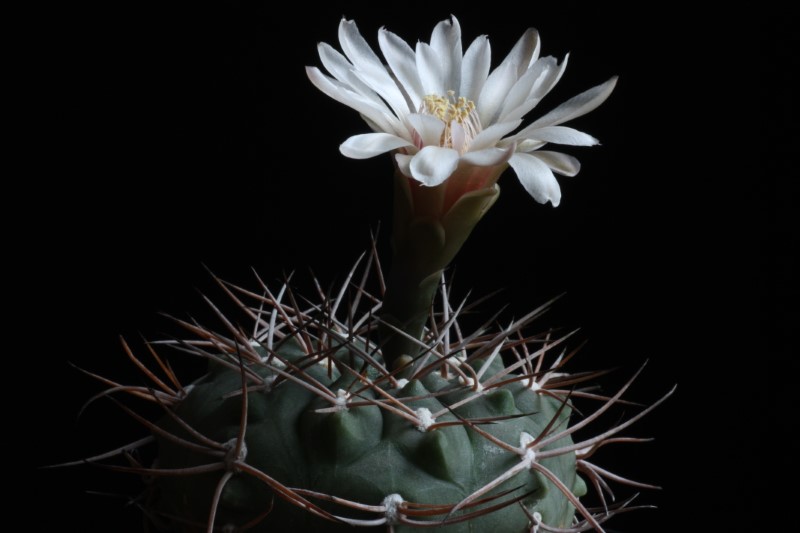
[[159, 139]]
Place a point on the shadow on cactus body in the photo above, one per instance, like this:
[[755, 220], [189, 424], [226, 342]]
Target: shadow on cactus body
[[298, 424]]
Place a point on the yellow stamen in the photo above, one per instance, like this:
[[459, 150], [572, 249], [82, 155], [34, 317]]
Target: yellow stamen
[[449, 109]]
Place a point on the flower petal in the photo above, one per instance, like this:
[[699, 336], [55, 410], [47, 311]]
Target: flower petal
[[577, 105], [475, 68], [356, 48], [433, 164], [335, 62], [428, 127], [446, 42], [430, 70], [342, 70], [494, 92], [404, 163], [493, 133], [387, 88], [525, 52], [563, 135], [528, 145], [369, 145], [369, 67], [379, 116], [403, 62], [457, 136], [530, 89], [537, 178], [546, 84], [519, 93], [488, 157], [563, 164]]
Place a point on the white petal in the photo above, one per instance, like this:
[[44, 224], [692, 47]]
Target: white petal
[[369, 145], [334, 62], [342, 70], [356, 48], [488, 157], [428, 127], [494, 92], [537, 178], [524, 95], [372, 125], [541, 91], [369, 66], [521, 89], [561, 163], [404, 163], [430, 69], [577, 105], [528, 145], [457, 136], [446, 42], [525, 52], [493, 133], [433, 164], [387, 88], [563, 135], [403, 62], [475, 68], [380, 116]]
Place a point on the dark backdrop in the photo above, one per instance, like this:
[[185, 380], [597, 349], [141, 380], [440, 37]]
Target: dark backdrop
[[172, 137]]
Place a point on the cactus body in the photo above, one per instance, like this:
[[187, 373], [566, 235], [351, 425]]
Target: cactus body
[[300, 425], [364, 453]]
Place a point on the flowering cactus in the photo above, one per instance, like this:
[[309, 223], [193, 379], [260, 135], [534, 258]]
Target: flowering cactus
[[375, 407]]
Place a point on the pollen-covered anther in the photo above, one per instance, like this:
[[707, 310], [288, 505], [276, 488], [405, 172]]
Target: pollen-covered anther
[[425, 418], [451, 109]]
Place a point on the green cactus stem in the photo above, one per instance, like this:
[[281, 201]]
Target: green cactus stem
[[429, 229]]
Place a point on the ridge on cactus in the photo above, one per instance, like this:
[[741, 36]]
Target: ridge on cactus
[[298, 423]]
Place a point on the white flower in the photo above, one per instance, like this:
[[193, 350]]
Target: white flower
[[446, 116]]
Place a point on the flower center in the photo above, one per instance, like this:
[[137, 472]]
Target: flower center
[[461, 121]]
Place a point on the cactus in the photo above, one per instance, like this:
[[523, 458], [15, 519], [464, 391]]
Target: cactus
[[301, 424], [378, 406]]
